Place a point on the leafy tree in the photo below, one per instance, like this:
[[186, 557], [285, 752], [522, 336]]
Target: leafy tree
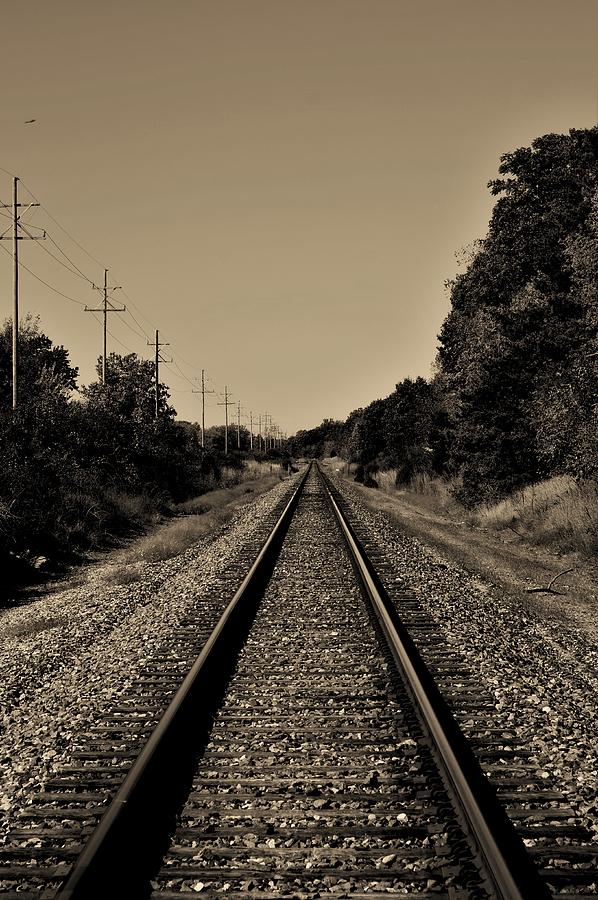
[[44, 368], [515, 319], [130, 389], [408, 423], [214, 438], [318, 441]]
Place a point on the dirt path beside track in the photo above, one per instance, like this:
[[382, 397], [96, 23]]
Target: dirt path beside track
[[511, 565]]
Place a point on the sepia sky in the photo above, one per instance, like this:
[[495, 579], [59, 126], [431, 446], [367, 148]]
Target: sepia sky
[[279, 185]]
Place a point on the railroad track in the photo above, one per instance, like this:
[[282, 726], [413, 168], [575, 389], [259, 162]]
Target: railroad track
[[308, 750]]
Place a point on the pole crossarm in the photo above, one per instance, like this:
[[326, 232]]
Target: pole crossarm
[[158, 359], [106, 307], [204, 390], [12, 234], [226, 403]]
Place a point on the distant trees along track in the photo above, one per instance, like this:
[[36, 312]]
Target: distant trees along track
[[302, 747]]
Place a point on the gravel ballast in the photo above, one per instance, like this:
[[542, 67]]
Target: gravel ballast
[[539, 672], [65, 658]]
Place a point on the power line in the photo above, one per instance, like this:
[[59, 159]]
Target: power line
[[45, 283], [226, 403], [139, 310], [63, 264], [134, 330], [75, 266], [177, 375], [105, 309], [158, 343], [80, 273], [182, 373], [134, 319], [203, 393], [19, 233], [74, 269], [62, 228]]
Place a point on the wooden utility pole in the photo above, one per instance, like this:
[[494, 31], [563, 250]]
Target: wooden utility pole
[[226, 403], [238, 425], [251, 430], [203, 408], [15, 237], [259, 434], [106, 308], [158, 359], [203, 393], [268, 430]]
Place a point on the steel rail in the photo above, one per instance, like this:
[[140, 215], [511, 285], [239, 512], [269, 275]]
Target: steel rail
[[104, 867], [507, 865]]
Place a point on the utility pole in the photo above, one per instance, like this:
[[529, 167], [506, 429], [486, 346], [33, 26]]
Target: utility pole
[[251, 430], [268, 430], [158, 359], [259, 433], [238, 425], [16, 237], [203, 393], [226, 403], [106, 308]]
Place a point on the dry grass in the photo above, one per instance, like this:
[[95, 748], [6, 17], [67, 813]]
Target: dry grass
[[431, 493], [177, 536], [251, 471], [200, 516], [125, 575], [34, 625], [559, 512]]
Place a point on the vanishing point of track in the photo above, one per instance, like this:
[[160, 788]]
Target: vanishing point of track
[[300, 748]]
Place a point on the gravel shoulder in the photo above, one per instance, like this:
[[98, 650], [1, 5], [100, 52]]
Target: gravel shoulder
[[65, 657], [540, 664], [511, 566]]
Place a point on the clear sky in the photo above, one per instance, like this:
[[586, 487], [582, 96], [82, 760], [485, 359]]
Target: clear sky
[[279, 185]]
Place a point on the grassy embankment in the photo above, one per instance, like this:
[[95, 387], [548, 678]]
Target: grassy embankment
[[558, 513], [200, 516]]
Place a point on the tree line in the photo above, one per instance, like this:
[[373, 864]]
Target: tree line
[[83, 464], [514, 396]]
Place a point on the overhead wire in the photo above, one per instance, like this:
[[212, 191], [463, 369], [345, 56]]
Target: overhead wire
[[134, 330], [139, 325], [61, 263], [62, 228], [76, 270], [75, 266], [192, 383], [139, 310], [51, 287]]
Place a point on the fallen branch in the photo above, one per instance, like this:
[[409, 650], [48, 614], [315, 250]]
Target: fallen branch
[[549, 588]]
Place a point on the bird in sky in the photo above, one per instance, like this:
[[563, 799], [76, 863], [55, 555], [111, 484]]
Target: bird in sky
[[30, 121]]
